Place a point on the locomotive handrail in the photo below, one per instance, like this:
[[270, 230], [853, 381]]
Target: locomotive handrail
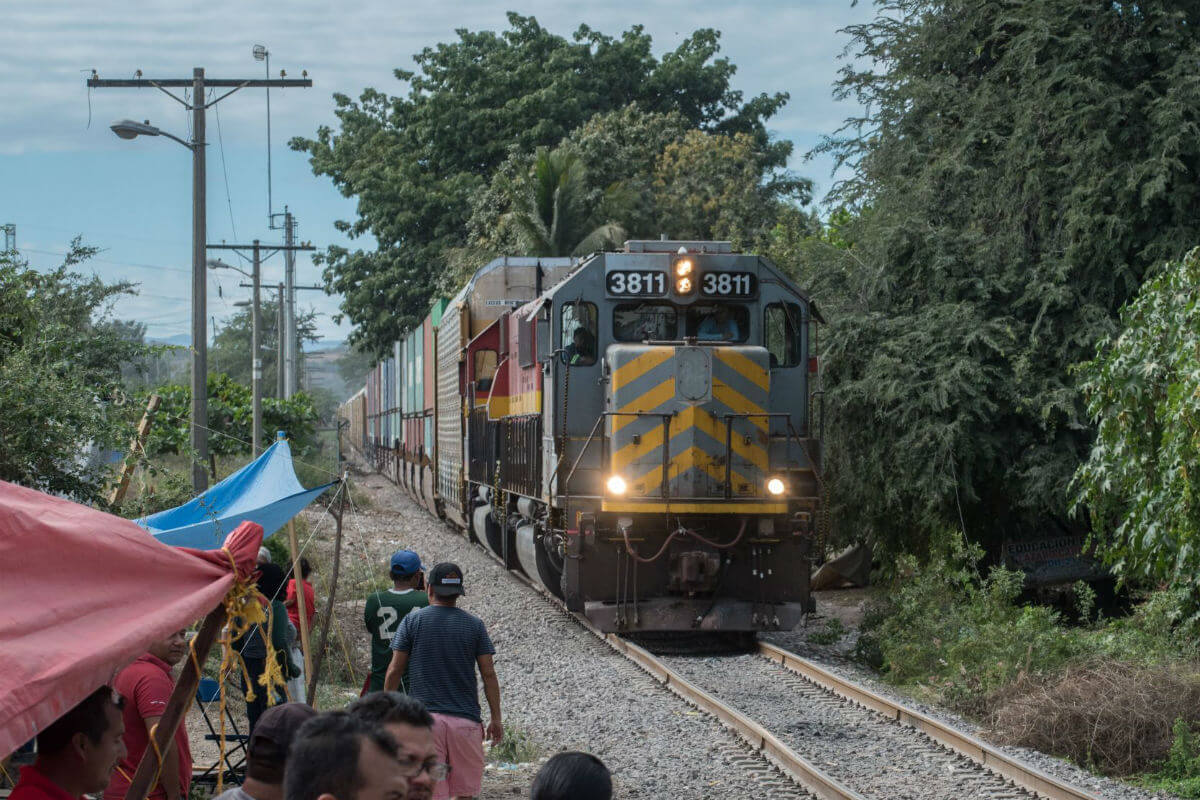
[[603, 414], [791, 434]]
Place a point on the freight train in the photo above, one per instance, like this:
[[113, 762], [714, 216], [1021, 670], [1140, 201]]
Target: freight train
[[637, 431]]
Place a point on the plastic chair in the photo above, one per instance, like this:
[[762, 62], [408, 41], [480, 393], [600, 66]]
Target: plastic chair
[[208, 691]]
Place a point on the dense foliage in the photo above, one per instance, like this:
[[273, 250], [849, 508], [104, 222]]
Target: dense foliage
[[230, 418], [415, 162], [1141, 482], [961, 636], [60, 378], [1018, 170]]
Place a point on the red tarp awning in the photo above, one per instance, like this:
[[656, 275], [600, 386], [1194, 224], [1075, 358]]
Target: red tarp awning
[[83, 593]]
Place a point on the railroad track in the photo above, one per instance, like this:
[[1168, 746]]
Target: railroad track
[[782, 702], [932, 758]]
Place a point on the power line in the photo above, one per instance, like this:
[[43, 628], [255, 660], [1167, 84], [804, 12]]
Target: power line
[[108, 261]]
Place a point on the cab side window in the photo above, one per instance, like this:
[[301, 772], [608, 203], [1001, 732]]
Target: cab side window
[[485, 370], [578, 341], [781, 334]]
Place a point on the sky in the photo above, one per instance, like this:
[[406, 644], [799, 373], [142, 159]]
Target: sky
[[64, 174]]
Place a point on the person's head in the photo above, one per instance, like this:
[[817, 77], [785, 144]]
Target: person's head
[[305, 568], [411, 725], [445, 583], [582, 339], [271, 581], [404, 567], [264, 556], [722, 313], [572, 776], [171, 648], [336, 756], [273, 734], [88, 741]]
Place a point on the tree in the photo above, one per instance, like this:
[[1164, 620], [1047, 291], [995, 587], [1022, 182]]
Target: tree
[[1141, 481], [415, 162], [1024, 165], [61, 353], [714, 186], [552, 219], [646, 173], [230, 418], [231, 346]]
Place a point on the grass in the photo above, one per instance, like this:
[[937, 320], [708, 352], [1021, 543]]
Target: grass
[[517, 747], [950, 634], [830, 634]]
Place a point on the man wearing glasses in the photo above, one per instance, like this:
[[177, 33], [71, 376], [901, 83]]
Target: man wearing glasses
[[411, 725]]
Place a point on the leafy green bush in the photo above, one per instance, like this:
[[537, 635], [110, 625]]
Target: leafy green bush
[[281, 554], [1140, 483], [831, 633], [230, 416], [516, 747], [960, 635], [62, 406], [1180, 772]]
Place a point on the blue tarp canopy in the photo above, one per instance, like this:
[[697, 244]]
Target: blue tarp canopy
[[265, 491]]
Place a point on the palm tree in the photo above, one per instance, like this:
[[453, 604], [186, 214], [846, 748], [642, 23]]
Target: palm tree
[[554, 219]]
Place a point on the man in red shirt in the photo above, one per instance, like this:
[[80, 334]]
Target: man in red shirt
[[77, 753], [146, 685]]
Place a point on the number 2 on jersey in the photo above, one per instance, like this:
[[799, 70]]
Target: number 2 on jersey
[[387, 622]]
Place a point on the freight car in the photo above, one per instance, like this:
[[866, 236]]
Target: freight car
[[637, 431]]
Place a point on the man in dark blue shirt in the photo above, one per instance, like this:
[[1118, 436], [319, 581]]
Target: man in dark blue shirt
[[440, 646]]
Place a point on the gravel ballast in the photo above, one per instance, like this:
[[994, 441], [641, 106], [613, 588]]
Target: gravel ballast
[[831, 657], [560, 684]]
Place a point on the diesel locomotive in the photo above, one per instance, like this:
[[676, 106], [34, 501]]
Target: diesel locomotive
[[638, 431]]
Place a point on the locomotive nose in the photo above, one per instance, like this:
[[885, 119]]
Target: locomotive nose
[[683, 421]]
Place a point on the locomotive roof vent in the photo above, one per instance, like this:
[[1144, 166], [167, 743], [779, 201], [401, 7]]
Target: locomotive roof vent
[[676, 246]]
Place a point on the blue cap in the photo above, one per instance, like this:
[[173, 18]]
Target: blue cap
[[405, 563]]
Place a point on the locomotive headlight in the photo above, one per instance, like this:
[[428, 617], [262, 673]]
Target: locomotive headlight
[[616, 485], [775, 486], [683, 285], [683, 267]]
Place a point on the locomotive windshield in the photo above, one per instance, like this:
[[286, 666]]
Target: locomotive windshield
[[636, 322], [718, 322]]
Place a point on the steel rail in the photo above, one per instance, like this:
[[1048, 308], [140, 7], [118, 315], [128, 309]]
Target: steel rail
[[755, 735], [1023, 775], [793, 764]]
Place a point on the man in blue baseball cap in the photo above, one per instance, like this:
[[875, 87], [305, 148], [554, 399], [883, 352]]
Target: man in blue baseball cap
[[384, 610]]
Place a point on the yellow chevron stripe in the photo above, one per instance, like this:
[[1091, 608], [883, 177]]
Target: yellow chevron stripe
[[698, 417], [736, 401], [651, 440], [630, 372], [744, 367], [650, 400], [692, 458]]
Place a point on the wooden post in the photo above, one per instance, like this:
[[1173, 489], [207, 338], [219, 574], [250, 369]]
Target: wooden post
[[177, 705], [301, 600], [138, 445], [315, 675]]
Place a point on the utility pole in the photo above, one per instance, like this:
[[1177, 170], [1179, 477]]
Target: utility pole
[[281, 338], [256, 371], [290, 359], [197, 105], [256, 355]]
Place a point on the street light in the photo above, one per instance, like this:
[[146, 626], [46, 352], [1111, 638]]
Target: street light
[[216, 263], [131, 129]]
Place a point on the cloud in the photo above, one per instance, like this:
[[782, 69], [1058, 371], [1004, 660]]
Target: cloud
[[48, 49]]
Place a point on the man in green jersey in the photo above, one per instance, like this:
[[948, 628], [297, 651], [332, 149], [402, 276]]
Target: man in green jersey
[[384, 610]]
